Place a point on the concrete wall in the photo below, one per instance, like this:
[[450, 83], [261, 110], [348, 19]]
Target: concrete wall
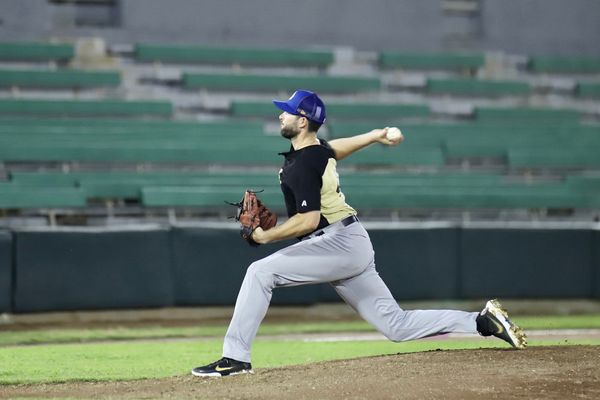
[[542, 26], [514, 26]]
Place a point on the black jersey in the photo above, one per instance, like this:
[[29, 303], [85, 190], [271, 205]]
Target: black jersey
[[310, 182]]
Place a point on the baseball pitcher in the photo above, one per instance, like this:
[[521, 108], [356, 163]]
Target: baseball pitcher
[[334, 247]]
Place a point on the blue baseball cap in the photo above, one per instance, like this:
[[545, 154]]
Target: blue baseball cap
[[305, 104]]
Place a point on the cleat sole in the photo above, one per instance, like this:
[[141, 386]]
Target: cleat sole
[[218, 374]]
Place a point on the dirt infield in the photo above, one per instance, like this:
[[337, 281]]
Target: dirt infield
[[536, 373]]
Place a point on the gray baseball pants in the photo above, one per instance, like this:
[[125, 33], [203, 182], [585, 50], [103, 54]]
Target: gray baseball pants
[[344, 257]]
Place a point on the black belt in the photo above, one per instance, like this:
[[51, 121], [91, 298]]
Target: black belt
[[346, 221], [349, 220]]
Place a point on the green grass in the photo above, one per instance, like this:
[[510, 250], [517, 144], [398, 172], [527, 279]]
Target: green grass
[[122, 333], [145, 360], [57, 357], [591, 321], [119, 333], [9, 338]]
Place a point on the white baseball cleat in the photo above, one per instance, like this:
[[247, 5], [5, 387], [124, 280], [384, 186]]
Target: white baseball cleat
[[493, 320]]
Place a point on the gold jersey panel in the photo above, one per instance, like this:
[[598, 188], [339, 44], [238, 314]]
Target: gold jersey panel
[[333, 201]]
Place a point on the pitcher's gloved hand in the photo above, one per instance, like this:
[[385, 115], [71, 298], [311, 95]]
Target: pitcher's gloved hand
[[251, 214]]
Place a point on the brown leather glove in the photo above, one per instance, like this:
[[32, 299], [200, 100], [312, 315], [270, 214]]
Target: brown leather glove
[[251, 214]]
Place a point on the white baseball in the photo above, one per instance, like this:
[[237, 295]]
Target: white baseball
[[393, 134]]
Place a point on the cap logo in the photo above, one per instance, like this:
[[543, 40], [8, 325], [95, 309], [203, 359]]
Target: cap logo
[[301, 111]]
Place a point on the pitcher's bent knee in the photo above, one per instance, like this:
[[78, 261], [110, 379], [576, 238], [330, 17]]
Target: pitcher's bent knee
[[395, 336], [258, 272], [393, 324]]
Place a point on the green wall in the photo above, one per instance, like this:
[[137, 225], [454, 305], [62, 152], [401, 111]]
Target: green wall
[[92, 269], [6, 274], [209, 266], [95, 268], [419, 263], [527, 263]]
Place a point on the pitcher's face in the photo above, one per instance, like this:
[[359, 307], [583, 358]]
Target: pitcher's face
[[289, 125]]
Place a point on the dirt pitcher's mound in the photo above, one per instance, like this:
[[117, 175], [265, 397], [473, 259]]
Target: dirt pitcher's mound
[[535, 373]]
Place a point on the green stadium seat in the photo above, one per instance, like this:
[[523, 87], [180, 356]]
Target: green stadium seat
[[560, 64], [562, 155], [490, 142], [485, 139], [132, 127], [366, 190], [498, 196], [263, 109], [477, 87], [589, 185], [419, 134], [525, 114], [477, 128], [204, 196], [253, 109], [403, 180], [58, 79], [27, 51], [132, 187], [588, 89], [44, 178], [396, 156], [591, 182], [139, 151], [277, 83], [39, 107], [218, 151], [24, 196], [243, 56], [128, 184], [137, 141], [391, 60], [376, 111]]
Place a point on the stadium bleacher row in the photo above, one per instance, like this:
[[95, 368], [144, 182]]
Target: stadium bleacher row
[[27, 51], [158, 141], [253, 82], [72, 151], [78, 108], [68, 78], [388, 191]]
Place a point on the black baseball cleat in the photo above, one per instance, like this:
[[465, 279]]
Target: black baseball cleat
[[493, 320], [223, 367]]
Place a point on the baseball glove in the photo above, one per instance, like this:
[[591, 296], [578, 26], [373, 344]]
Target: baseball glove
[[252, 213]]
